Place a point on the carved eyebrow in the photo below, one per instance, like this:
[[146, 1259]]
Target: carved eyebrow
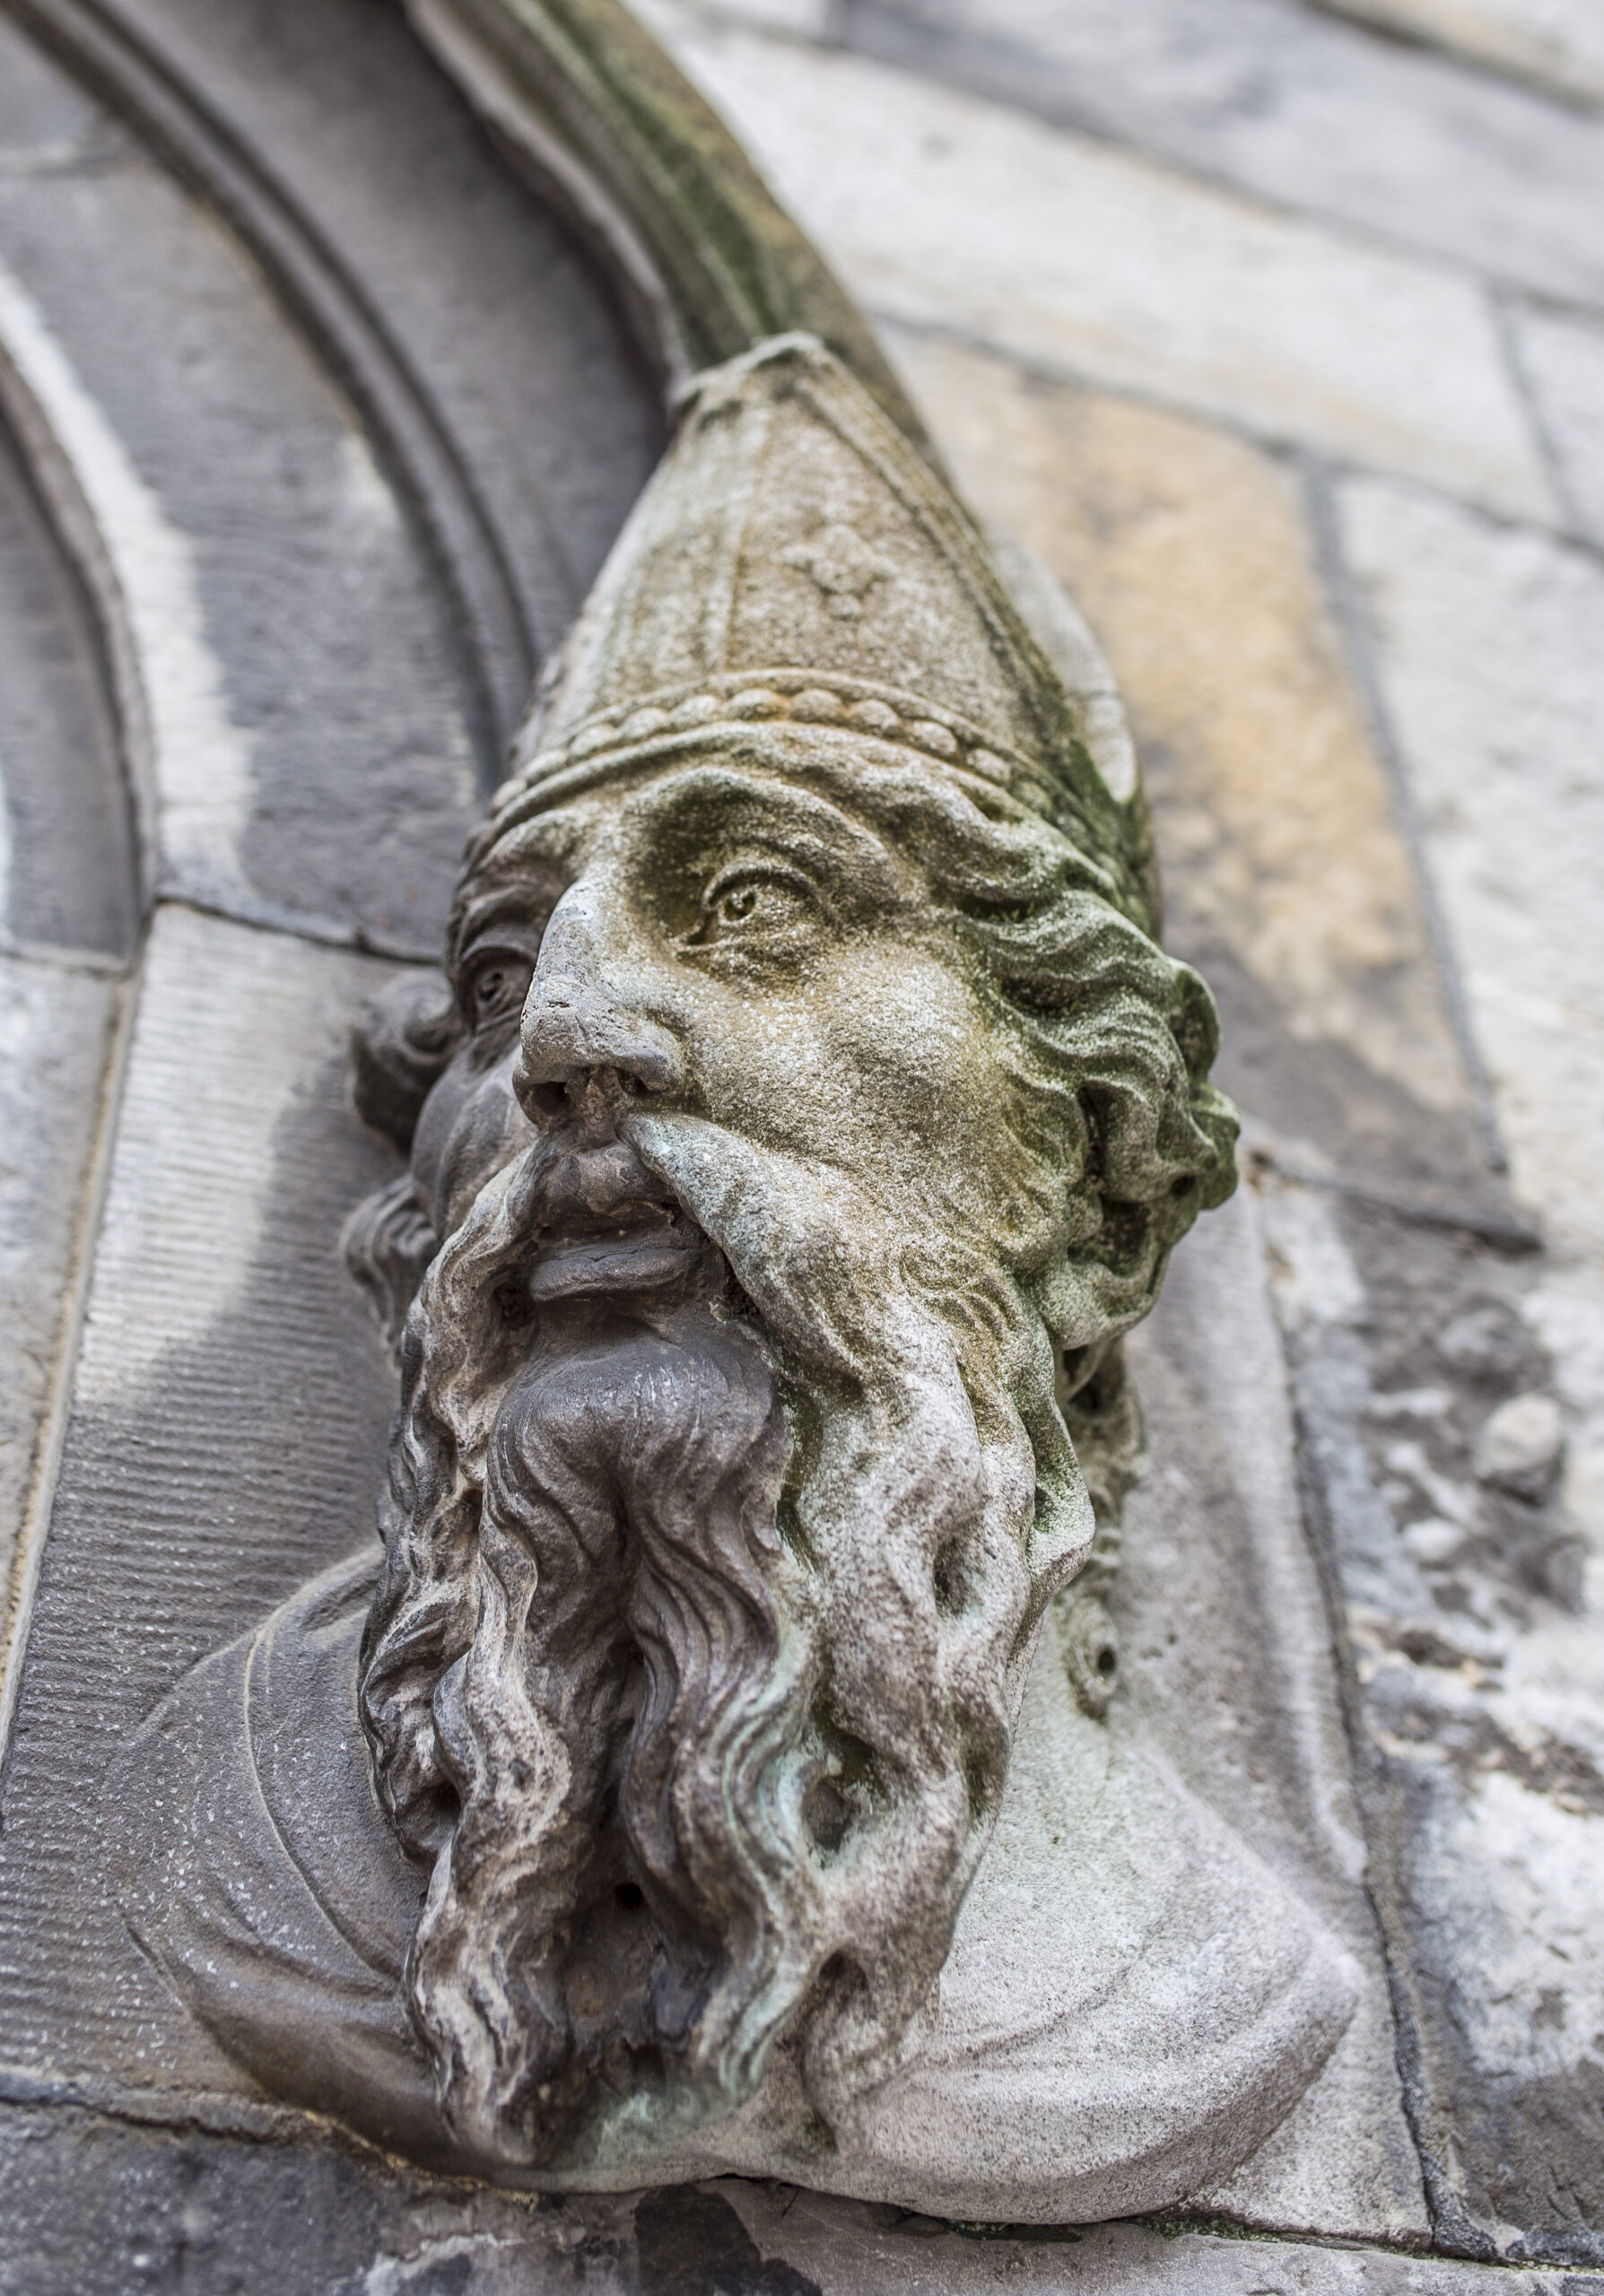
[[733, 808]]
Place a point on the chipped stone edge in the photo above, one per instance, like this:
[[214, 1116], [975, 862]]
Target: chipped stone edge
[[16, 1614]]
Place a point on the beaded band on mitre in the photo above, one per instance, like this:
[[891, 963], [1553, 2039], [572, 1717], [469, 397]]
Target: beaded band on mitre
[[612, 739]]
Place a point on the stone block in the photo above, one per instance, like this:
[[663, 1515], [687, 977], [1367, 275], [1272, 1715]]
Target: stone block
[[1320, 117], [1557, 44], [1243, 1699], [232, 628], [1479, 1658], [504, 339], [1479, 1692], [68, 877], [1490, 641], [44, 115], [94, 2206], [1562, 355], [944, 211]]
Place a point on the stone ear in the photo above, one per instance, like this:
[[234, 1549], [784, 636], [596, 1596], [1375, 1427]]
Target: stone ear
[[1109, 1282], [400, 1044], [386, 1244]]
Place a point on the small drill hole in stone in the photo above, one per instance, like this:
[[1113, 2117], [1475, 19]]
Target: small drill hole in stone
[[827, 1815], [629, 1897], [951, 1578], [516, 1309]]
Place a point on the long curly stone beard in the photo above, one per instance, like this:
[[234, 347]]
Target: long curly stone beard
[[614, 1897], [719, 1785]]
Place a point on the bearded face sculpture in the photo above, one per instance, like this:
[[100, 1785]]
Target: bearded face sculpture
[[806, 1111]]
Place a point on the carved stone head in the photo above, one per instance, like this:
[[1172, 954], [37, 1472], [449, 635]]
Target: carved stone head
[[810, 1112]]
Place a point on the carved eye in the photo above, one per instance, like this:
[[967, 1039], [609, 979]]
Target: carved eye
[[753, 905], [497, 989]]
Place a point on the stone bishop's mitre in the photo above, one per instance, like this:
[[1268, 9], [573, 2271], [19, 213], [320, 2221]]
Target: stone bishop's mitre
[[796, 577]]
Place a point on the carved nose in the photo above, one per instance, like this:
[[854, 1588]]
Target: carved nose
[[575, 1021]]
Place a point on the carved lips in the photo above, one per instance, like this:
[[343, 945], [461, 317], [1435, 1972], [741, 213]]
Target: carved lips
[[608, 1226]]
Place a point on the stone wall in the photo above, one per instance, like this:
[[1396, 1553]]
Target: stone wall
[[1282, 343], [1277, 332]]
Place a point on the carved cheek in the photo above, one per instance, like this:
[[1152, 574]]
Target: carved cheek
[[908, 1030], [761, 1066], [470, 1126], [879, 1064]]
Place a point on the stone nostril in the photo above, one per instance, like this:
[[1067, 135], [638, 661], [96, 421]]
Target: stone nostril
[[543, 1102]]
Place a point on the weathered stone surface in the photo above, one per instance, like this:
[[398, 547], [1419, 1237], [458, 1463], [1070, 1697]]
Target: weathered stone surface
[[1562, 354], [1474, 1616], [227, 1434], [94, 2208], [845, 2252], [56, 1024], [290, 661], [516, 421], [943, 211], [1243, 1697], [46, 118], [1491, 644], [67, 865], [67, 882], [1318, 115], [1287, 879], [231, 565], [1559, 44], [1486, 1714]]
